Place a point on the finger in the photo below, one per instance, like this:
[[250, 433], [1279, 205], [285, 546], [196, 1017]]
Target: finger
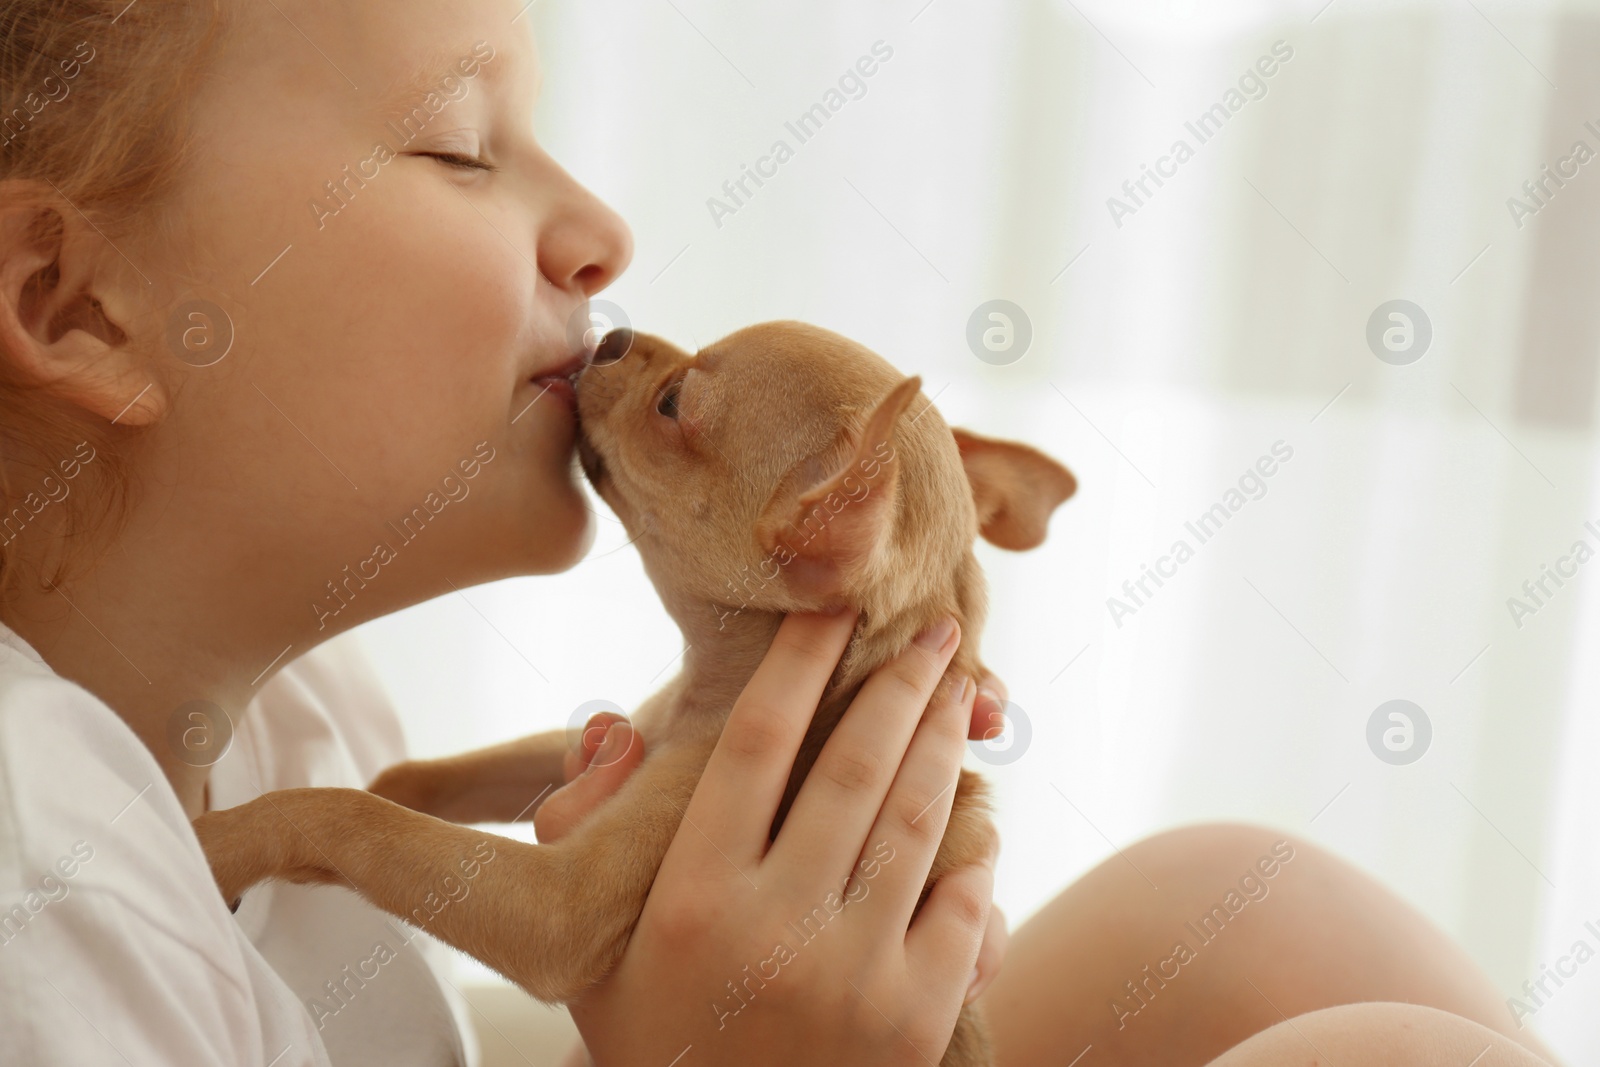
[[911, 824], [988, 719], [944, 941], [614, 762], [996, 938], [996, 687], [744, 779], [822, 836]]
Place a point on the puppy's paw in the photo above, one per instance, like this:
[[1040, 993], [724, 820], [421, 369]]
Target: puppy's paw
[[240, 847]]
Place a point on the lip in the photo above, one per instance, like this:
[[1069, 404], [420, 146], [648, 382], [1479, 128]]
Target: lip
[[567, 371], [558, 388], [559, 383]]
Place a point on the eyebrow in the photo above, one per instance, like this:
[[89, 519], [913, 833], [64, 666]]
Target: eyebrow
[[429, 76]]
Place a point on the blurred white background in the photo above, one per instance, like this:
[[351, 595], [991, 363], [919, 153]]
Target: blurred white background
[[1171, 347]]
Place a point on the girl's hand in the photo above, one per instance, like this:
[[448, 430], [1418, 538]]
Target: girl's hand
[[806, 952], [987, 718], [610, 751]]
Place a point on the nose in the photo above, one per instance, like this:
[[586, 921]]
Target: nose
[[584, 244], [613, 346]]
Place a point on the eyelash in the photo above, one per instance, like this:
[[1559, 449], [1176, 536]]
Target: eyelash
[[456, 159]]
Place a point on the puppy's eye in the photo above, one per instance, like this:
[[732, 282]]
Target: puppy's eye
[[668, 404]]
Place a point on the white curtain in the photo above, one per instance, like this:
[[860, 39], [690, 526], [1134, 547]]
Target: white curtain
[[1177, 339]]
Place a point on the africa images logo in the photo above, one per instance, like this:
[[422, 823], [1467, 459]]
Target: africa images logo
[[851, 85], [1252, 86], [1252, 485], [411, 124]]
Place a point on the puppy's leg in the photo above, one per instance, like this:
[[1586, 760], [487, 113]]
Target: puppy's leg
[[552, 918], [503, 783], [969, 1043]]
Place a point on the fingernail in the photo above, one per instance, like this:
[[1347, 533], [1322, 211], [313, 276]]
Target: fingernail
[[611, 750], [935, 637], [952, 691], [600, 751], [989, 702]]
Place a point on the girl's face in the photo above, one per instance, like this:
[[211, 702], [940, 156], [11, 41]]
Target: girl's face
[[401, 264]]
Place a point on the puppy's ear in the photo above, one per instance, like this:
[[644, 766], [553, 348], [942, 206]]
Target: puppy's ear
[[1015, 487], [824, 523]]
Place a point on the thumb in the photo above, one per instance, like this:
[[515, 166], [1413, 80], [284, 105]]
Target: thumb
[[618, 757], [589, 741]]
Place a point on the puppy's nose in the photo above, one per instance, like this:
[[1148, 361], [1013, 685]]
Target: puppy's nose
[[613, 346]]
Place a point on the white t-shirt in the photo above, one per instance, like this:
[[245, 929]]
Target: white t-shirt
[[114, 943]]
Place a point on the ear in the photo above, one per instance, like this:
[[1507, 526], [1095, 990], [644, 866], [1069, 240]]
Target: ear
[[1015, 487], [822, 525], [59, 320]]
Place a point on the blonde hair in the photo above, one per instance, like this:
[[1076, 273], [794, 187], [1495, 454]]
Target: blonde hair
[[95, 98]]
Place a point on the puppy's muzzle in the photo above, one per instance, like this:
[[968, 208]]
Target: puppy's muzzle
[[613, 346]]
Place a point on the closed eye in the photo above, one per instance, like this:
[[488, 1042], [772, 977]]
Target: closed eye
[[464, 162]]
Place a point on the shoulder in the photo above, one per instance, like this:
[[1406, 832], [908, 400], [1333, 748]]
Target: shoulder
[[71, 769], [111, 930]]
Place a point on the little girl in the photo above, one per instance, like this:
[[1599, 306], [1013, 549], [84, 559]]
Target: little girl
[[286, 303]]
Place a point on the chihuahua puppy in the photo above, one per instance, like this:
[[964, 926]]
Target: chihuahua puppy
[[782, 469]]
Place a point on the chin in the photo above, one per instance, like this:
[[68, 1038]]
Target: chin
[[566, 527]]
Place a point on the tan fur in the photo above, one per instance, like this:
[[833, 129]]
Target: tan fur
[[802, 471]]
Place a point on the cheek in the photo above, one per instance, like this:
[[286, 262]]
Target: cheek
[[406, 308], [373, 351], [404, 330], [423, 313]]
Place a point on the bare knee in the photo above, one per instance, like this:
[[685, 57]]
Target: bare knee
[[1198, 938], [1217, 873], [1249, 891], [1379, 1035], [1225, 847]]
